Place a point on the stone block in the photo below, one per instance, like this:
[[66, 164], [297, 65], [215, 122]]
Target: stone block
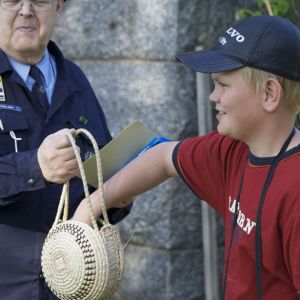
[[168, 217], [152, 30], [161, 275], [162, 94], [119, 28]]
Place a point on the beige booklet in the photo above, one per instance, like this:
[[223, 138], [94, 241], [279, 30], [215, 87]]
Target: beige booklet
[[119, 151]]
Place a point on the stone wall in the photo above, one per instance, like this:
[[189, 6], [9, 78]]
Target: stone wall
[[127, 49]]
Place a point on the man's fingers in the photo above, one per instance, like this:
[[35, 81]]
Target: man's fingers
[[57, 158], [66, 154], [57, 173], [60, 138]]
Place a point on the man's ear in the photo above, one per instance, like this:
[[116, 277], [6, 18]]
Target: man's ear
[[273, 93]]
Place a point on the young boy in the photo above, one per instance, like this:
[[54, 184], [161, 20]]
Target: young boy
[[249, 169]]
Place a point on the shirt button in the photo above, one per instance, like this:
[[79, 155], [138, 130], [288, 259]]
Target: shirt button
[[31, 182]]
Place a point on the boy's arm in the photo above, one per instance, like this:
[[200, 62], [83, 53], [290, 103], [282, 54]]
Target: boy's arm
[[140, 175]]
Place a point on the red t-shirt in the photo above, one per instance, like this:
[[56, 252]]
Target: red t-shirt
[[212, 167]]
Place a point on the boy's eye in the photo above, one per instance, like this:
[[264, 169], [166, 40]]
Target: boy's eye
[[219, 83]]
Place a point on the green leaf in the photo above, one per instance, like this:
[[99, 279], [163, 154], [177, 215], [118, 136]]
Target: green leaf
[[283, 8]]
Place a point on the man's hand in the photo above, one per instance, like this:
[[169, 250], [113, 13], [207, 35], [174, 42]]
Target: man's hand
[[56, 157]]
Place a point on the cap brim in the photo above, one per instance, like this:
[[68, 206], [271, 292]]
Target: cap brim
[[209, 61]]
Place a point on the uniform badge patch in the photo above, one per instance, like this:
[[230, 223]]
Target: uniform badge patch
[[2, 95]]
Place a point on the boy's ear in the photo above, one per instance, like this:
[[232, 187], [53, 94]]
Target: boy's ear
[[273, 95]]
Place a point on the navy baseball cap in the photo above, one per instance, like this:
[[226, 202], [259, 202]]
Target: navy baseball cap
[[268, 43]]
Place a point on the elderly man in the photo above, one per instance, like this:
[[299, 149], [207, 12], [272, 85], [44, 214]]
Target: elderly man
[[42, 95]]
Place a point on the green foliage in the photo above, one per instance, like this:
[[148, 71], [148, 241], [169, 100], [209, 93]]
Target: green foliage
[[283, 8]]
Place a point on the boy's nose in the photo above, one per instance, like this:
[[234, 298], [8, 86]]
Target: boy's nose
[[213, 97]]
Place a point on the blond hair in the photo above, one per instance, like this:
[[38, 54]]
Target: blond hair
[[257, 79]]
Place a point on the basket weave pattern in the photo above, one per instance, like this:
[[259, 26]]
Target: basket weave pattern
[[80, 262]]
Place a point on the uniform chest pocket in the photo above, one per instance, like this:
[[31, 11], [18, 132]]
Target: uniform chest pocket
[[14, 129]]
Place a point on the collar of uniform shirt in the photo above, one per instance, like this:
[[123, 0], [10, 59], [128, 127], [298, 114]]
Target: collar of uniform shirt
[[46, 65]]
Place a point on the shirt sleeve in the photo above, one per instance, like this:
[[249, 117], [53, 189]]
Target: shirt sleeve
[[292, 251], [203, 163], [19, 172]]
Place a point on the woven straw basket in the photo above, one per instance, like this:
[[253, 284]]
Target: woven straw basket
[[80, 262]]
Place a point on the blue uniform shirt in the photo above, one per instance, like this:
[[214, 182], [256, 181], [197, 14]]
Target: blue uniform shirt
[[47, 66]]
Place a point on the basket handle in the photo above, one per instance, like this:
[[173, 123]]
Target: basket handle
[[64, 199]]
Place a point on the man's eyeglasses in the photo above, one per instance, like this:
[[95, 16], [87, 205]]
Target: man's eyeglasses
[[16, 5]]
